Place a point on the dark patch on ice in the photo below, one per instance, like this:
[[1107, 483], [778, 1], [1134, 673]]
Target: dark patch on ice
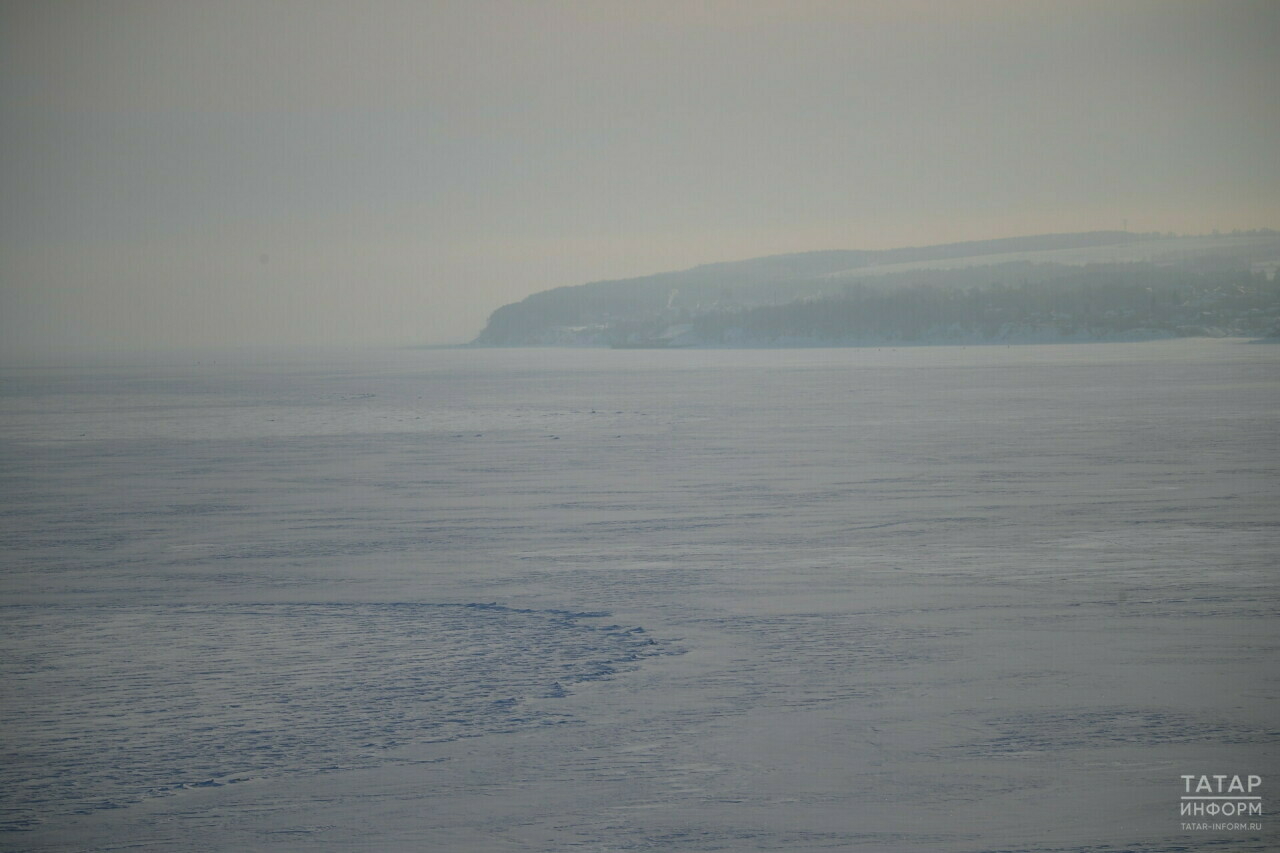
[[108, 705], [1170, 845], [1050, 731], [703, 838]]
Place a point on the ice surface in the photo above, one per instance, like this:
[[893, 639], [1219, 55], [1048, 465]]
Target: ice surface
[[113, 704], [985, 598]]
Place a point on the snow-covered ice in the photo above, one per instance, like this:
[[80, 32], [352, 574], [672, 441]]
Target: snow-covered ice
[[113, 704], [943, 598]]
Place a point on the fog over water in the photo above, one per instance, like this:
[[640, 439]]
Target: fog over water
[[281, 568]]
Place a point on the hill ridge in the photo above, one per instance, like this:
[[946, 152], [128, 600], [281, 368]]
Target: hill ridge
[[646, 309]]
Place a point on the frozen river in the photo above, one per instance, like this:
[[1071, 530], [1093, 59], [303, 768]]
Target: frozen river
[[936, 598]]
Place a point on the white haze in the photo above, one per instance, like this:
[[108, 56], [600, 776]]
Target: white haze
[[298, 173]]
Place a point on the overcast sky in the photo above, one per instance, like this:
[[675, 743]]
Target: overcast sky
[[199, 173]]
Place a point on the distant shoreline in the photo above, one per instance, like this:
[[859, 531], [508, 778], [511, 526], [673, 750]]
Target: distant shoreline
[[1242, 339]]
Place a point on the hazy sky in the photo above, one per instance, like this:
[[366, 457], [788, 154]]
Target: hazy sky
[[177, 173]]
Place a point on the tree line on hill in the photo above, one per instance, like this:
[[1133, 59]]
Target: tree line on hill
[[988, 303]]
